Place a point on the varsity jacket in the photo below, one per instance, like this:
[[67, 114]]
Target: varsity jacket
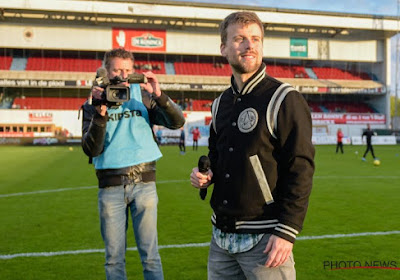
[[160, 111], [262, 158]]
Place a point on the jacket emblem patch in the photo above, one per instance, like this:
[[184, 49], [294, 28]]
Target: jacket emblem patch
[[247, 120]]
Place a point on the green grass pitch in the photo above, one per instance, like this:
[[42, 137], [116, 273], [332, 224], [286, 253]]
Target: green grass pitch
[[48, 203]]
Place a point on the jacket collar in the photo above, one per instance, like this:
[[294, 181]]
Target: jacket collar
[[251, 83]]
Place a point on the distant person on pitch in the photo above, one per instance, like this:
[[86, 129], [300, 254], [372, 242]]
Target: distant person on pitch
[[262, 163], [196, 137], [368, 134], [339, 143], [159, 136], [120, 140], [182, 147]]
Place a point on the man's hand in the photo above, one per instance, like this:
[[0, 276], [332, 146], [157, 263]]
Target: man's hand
[[278, 250], [96, 94], [152, 86], [200, 180]]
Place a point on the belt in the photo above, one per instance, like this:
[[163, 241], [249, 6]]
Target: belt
[[125, 179]]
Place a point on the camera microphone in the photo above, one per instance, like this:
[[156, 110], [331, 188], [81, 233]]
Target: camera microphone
[[136, 78], [204, 165], [101, 77]]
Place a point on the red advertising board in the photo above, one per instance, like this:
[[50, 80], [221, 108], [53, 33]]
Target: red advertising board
[[139, 40], [347, 118]]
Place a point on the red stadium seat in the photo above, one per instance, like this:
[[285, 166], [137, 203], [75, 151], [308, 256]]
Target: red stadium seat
[[62, 64], [5, 62], [336, 73], [202, 68], [50, 103]]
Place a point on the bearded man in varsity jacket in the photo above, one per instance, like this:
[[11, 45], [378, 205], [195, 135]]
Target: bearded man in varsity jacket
[[262, 162]]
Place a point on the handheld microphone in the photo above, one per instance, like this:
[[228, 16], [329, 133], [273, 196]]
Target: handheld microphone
[[204, 165]]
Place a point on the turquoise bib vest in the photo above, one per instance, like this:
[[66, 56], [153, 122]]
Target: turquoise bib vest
[[129, 139]]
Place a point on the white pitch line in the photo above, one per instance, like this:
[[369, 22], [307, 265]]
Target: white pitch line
[[189, 245], [180, 181], [46, 191], [334, 236], [74, 189], [356, 177]]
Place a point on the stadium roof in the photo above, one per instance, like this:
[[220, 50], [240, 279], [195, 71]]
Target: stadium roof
[[189, 15]]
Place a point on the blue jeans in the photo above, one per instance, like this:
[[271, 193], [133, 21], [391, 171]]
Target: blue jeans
[[250, 265], [114, 205]]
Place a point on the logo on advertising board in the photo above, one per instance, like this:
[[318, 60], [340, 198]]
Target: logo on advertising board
[[41, 117], [298, 47], [139, 39], [147, 40]]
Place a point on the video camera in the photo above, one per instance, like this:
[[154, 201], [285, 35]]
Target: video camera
[[114, 93]]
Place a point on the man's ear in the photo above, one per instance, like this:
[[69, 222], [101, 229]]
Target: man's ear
[[222, 49]]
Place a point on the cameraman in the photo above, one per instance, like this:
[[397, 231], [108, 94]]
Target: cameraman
[[121, 142]]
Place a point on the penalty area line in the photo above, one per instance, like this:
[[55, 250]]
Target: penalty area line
[[189, 245]]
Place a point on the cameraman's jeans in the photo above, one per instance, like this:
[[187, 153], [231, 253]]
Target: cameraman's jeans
[[114, 205]]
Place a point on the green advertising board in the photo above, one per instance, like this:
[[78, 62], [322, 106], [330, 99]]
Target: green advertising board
[[298, 47]]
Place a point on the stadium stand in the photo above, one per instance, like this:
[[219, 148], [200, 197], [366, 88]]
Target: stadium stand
[[62, 64], [157, 67], [177, 69], [314, 107], [286, 71], [202, 68], [201, 105], [336, 73], [54, 103], [347, 107]]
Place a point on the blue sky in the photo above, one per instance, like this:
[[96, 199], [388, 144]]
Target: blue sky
[[376, 7]]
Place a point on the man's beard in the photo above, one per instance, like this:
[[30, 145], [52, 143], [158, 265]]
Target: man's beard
[[242, 68]]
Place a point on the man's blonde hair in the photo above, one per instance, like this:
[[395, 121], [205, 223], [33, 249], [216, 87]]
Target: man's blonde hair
[[243, 18]]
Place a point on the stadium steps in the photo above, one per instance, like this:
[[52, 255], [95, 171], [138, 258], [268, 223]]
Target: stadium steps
[[19, 64], [169, 68], [311, 73], [324, 109]]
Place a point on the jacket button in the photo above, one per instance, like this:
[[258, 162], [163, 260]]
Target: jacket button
[[231, 149], [225, 202], [239, 99], [233, 124], [227, 176]]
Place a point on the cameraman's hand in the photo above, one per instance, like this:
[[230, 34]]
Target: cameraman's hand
[[96, 94], [102, 110], [152, 86], [200, 180]]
